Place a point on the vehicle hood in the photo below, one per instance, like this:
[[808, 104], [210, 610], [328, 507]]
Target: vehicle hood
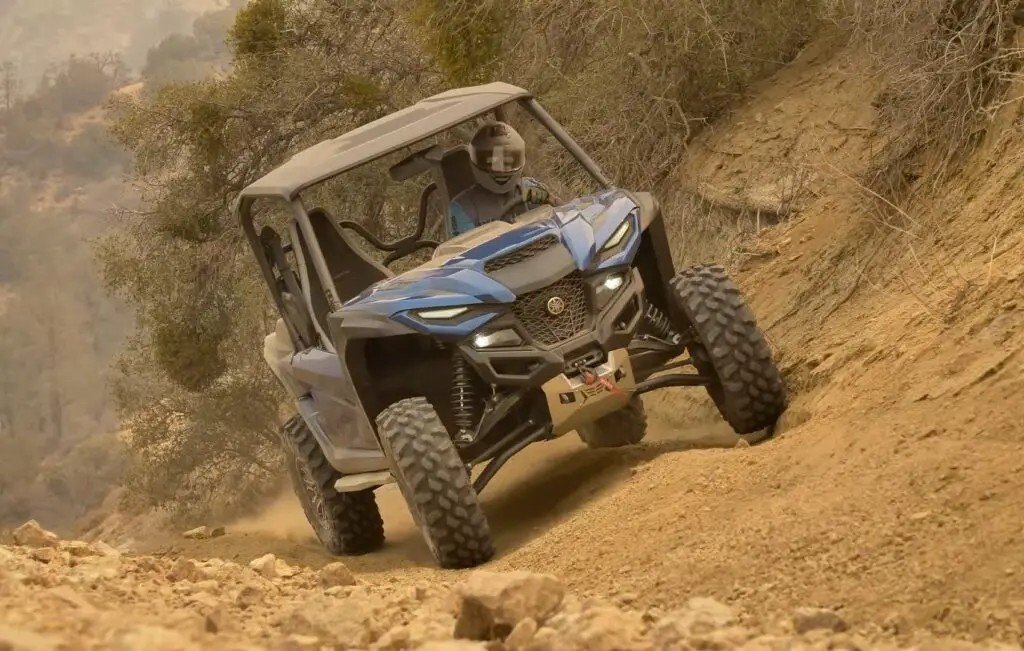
[[455, 275]]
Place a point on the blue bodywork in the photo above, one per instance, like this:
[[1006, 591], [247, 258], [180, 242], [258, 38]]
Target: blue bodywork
[[584, 225]]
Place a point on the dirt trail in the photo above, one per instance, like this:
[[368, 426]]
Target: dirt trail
[[536, 491], [895, 489]]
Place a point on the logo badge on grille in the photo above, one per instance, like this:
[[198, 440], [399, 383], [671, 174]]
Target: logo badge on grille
[[556, 305]]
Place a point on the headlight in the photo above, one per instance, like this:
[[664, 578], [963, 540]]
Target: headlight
[[443, 313], [614, 281], [619, 235], [606, 288], [496, 339]]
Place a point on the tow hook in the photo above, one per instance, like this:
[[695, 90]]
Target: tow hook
[[590, 378]]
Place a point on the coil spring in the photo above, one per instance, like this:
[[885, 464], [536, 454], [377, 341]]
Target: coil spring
[[659, 323], [463, 394]]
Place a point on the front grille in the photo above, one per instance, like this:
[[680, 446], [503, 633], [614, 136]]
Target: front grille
[[521, 254], [532, 311]]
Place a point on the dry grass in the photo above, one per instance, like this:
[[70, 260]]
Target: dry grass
[[950, 62]]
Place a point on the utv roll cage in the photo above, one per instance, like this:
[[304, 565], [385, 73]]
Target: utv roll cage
[[325, 240]]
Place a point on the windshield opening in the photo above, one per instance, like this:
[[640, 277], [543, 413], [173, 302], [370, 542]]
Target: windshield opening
[[389, 209]]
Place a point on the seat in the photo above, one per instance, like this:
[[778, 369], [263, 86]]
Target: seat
[[457, 171], [351, 269]]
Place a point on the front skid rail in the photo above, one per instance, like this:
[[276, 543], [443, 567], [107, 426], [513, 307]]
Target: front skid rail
[[507, 448], [515, 441], [673, 380]]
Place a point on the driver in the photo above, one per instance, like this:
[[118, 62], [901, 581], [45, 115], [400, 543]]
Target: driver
[[498, 155]]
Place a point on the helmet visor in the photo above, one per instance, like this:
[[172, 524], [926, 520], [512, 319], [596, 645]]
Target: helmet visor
[[501, 160]]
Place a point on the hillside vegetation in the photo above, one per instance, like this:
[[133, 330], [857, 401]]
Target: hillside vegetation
[[59, 329], [633, 82], [60, 173]]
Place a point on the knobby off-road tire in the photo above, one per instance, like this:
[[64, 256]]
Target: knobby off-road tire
[[346, 523], [436, 486], [748, 388], [627, 426]]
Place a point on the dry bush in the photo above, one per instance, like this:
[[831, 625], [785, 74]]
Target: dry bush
[[950, 62], [632, 81]]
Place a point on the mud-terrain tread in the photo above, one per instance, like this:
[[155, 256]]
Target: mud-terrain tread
[[435, 484], [627, 426], [357, 524], [750, 393]]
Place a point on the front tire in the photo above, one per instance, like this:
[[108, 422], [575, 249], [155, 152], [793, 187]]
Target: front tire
[[435, 483], [627, 426], [727, 345], [346, 524]]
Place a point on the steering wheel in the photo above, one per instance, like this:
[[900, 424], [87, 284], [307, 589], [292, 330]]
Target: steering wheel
[[407, 245], [511, 204]]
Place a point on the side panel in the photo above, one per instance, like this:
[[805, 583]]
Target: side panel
[[334, 413]]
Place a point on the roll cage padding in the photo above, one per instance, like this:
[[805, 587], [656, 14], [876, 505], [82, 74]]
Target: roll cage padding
[[298, 319], [352, 270]]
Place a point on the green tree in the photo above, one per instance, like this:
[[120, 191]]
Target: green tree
[[195, 391]]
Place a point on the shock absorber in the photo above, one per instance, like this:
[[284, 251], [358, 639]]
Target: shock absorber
[[661, 326], [463, 398]]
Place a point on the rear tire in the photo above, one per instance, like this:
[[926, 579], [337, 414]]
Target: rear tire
[[728, 346], [346, 524], [435, 483], [627, 426]]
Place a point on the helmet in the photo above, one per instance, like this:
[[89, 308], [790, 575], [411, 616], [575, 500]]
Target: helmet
[[498, 153]]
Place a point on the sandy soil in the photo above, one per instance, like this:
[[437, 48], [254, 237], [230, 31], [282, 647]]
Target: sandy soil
[[894, 491], [71, 595]]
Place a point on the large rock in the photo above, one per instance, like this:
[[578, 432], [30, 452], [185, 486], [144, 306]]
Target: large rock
[[44, 554], [336, 574], [352, 620], [811, 619], [31, 534], [184, 569], [427, 628], [284, 570], [199, 533], [491, 604], [79, 549], [602, 628], [265, 566]]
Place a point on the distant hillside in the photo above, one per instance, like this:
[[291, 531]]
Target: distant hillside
[[60, 174], [37, 34]]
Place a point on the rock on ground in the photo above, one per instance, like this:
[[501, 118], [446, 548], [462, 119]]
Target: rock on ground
[[70, 595]]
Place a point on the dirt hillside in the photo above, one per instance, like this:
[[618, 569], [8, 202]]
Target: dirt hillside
[[892, 494]]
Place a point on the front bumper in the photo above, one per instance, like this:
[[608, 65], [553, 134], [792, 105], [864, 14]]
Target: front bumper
[[573, 401], [541, 358]]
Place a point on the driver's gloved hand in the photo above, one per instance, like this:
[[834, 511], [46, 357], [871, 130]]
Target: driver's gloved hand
[[536, 194]]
